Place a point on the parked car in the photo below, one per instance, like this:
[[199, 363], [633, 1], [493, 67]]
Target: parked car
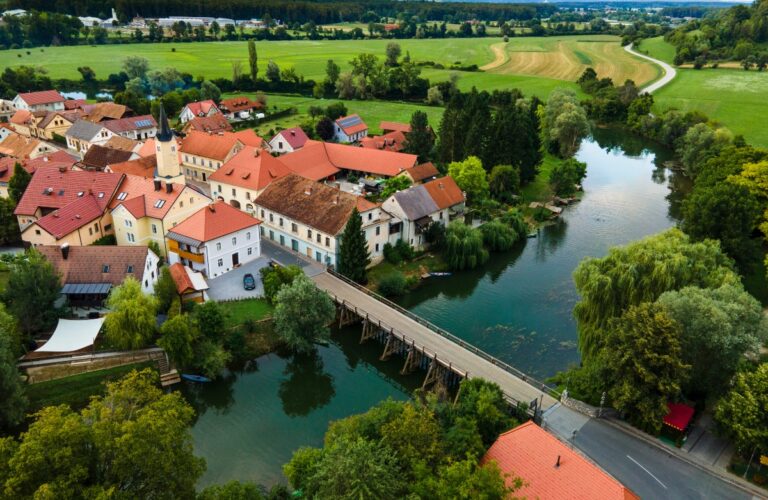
[[249, 283]]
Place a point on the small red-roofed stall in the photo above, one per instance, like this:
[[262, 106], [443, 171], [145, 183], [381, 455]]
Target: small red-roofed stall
[[677, 422]]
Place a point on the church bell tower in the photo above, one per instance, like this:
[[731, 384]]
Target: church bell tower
[[166, 149]]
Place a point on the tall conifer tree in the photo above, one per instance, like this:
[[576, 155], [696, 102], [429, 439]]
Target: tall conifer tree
[[353, 251]]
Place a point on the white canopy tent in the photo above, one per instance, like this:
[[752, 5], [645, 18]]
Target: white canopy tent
[[73, 335]]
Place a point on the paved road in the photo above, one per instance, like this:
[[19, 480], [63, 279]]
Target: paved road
[[645, 469], [669, 72], [461, 359]]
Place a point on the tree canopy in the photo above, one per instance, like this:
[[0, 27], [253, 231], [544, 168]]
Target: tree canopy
[[565, 122], [354, 256], [303, 313], [471, 178], [464, 247], [18, 183], [13, 401], [32, 291], [742, 414], [131, 323]]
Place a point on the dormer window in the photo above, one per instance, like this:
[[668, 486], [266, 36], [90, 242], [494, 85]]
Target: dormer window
[[105, 268]]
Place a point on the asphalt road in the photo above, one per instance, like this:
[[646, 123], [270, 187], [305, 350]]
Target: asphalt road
[[669, 71], [645, 469]]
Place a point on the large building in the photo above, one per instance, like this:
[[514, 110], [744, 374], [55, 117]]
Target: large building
[[59, 159], [44, 100], [243, 178], [309, 217], [215, 239]]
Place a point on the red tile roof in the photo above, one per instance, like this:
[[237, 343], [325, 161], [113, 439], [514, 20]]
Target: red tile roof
[[240, 103], [181, 278], [50, 188], [251, 168], [357, 126], [71, 217], [143, 167], [98, 157], [318, 160], [42, 97], [213, 123], [21, 147], [530, 452], [250, 138], [21, 117], [57, 159], [201, 108], [423, 171], [141, 198], [392, 141], [86, 264], [132, 123], [214, 146], [295, 137], [214, 221], [74, 103], [445, 192], [392, 126]]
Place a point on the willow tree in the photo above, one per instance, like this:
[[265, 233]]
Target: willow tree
[[641, 272], [464, 247]]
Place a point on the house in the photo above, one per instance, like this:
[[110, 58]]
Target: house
[[190, 285], [54, 123], [66, 206], [202, 153], [144, 209], [215, 240], [6, 110], [59, 159], [103, 111], [239, 108], [550, 469], [349, 129], [89, 273], [325, 160], [100, 157], [123, 144], [22, 122], [211, 124], [19, 147], [137, 128], [423, 173], [45, 100], [418, 207], [83, 134], [288, 140], [391, 141], [244, 176], [5, 131], [143, 167], [387, 127], [198, 108], [309, 217]]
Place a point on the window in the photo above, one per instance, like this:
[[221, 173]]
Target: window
[[234, 192], [131, 237], [250, 250], [441, 215], [107, 227], [159, 203], [194, 160], [309, 234], [247, 195], [105, 268], [377, 247], [129, 269], [280, 223], [271, 218], [319, 237], [154, 229], [234, 240], [218, 246], [122, 196], [378, 230], [248, 235], [186, 159], [90, 231], [370, 215], [271, 235], [210, 164], [327, 241], [262, 213], [221, 189], [220, 262], [128, 223], [294, 227], [181, 204]]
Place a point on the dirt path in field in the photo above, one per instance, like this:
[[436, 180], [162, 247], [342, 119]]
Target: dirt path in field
[[669, 71], [500, 56]]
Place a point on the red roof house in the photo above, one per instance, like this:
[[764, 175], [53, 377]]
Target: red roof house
[[252, 169], [550, 470], [288, 140], [199, 108]]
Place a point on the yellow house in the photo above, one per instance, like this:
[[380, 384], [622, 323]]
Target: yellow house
[[54, 122], [203, 153]]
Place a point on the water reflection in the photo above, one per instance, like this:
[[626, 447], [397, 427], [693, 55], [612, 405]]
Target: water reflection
[[217, 395], [307, 387]]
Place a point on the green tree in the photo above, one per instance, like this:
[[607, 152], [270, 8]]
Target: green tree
[[232, 490], [131, 322], [470, 177], [726, 212], [565, 122], [353, 249], [414, 437], [718, 327], [177, 338], [393, 52], [565, 175], [210, 318], [303, 313], [699, 144], [253, 60], [742, 414], [498, 236], [18, 183], [274, 277], [134, 440], [420, 140], [13, 401], [210, 357], [332, 72], [9, 225], [273, 71], [135, 66], [464, 247], [209, 90], [395, 184], [643, 360], [466, 480], [484, 402], [324, 128], [641, 272], [31, 293], [165, 290], [504, 183]]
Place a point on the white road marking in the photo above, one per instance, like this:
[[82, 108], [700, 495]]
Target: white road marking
[[649, 472]]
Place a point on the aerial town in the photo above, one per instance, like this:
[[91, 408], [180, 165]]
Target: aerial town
[[383, 250]]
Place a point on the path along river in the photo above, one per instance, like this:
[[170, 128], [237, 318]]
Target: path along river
[[518, 308]]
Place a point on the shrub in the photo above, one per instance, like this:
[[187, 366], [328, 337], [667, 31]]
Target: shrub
[[392, 285], [497, 236], [405, 250], [464, 247], [392, 255]]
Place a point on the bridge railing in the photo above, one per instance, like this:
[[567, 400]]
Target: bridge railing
[[453, 338]]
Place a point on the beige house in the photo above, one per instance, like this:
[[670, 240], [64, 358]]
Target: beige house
[[54, 122], [202, 154]]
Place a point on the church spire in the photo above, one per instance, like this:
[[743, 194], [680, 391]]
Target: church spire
[[164, 134]]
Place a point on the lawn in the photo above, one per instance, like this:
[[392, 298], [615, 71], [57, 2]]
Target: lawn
[[539, 189], [414, 269], [238, 311], [736, 98], [657, 48], [76, 390], [535, 65]]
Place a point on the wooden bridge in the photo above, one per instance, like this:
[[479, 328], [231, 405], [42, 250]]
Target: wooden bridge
[[445, 357]]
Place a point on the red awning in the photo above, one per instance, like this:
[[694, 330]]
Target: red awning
[[679, 416]]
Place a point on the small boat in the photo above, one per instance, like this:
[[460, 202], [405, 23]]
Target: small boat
[[194, 378], [533, 235], [438, 274], [322, 342]]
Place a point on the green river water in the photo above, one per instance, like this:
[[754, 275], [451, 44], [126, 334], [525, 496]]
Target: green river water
[[517, 308]]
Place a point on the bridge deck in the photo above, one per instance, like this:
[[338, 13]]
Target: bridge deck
[[461, 357]]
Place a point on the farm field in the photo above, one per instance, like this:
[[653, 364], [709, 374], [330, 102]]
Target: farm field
[[658, 49], [535, 65], [735, 98]]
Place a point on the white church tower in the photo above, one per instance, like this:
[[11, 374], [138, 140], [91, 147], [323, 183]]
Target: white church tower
[[168, 167]]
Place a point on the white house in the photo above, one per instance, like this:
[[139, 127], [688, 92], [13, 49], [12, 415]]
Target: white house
[[198, 108], [418, 207], [84, 134], [350, 129], [214, 240], [44, 100], [309, 218], [138, 128], [239, 108], [288, 140], [6, 110]]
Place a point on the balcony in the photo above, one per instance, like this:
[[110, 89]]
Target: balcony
[[173, 246]]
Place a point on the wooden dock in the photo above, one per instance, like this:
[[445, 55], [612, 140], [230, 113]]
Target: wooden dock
[[425, 345]]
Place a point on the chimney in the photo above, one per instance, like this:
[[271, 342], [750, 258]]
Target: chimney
[[65, 251], [308, 190], [62, 168], [168, 187], [336, 199], [256, 152], [49, 191], [557, 464], [212, 208], [158, 186]]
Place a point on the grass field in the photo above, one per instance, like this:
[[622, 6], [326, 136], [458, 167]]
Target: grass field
[[240, 310], [735, 98], [658, 49], [535, 65]]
